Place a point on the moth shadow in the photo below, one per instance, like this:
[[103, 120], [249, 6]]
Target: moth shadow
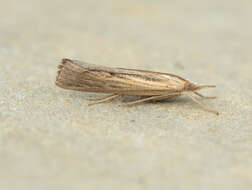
[[178, 100]]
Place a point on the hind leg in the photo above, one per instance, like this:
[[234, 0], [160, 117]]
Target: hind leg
[[103, 99]]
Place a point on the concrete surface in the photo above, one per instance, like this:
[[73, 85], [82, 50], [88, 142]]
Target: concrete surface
[[51, 139]]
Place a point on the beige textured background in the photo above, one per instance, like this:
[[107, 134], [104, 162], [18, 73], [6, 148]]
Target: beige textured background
[[50, 139]]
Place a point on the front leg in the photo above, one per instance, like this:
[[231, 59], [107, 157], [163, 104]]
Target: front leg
[[206, 97]]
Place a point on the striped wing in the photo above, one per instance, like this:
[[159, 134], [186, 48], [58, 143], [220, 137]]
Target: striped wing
[[82, 76]]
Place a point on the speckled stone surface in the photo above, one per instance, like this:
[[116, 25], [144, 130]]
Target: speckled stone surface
[[51, 139]]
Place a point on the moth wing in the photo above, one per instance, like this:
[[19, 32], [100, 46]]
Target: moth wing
[[82, 76], [123, 81]]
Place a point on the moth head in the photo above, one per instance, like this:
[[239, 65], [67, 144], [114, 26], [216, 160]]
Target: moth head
[[189, 86], [194, 87]]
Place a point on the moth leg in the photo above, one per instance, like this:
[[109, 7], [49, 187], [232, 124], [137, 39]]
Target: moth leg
[[206, 97], [97, 99], [104, 99], [159, 99], [122, 97], [101, 98], [202, 105], [171, 97], [146, 99]]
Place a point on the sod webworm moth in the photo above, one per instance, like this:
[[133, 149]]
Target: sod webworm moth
[[148, 85]]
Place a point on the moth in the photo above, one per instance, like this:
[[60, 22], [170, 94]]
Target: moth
[[148, 85]]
